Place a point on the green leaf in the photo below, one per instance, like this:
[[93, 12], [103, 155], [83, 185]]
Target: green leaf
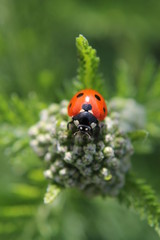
[[88, 75], [146, 80], [51, 194], [140, 196], [17, 211], [17, 111], [138, 135], [26, 191], [154, 91], [124, 81]]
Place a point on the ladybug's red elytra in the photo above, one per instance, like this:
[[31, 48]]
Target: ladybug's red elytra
[[86, 108]]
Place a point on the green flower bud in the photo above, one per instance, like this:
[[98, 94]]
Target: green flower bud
[[106, 174]]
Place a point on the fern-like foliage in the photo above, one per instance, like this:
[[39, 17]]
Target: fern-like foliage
[[138, 135], [124, 82], [17, 111], [88, 75], [148, 93], [16, 115], [140, 196], [22, 196], [23, 191]]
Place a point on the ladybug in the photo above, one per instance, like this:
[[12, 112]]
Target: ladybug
[[87, 108]]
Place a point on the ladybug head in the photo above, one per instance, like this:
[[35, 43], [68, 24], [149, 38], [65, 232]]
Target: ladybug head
[[85, 122], [84, 128]]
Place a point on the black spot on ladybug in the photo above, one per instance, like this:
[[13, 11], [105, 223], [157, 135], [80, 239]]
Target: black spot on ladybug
[[70, 105], [86, 107], [80, 95], [98, 97], [104, 110]]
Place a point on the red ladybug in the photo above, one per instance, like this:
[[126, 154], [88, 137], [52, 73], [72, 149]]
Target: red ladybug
[[86, 108]]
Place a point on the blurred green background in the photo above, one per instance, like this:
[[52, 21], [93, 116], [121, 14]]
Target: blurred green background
[[38, 62]]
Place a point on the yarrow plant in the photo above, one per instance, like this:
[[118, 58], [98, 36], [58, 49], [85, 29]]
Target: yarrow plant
[[97, 165]]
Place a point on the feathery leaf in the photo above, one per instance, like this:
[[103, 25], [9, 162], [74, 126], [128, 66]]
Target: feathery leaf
[[88, 75], [140, 196]]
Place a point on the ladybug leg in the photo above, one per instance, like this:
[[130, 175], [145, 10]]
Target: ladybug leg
[[68, 124], [75, 133], [102, 125], [73, 123], [96, 131], [71, 126], [95, 127]]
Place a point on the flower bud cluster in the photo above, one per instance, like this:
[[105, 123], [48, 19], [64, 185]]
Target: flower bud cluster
[[132, 115], [95, 166]]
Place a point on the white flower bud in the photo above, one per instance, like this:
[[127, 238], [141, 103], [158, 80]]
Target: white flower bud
[[34, 143], [41, 139], [53, 168], [104, 171], [108, 138], [33, 131], [108, 152], [41, 125], [49, 127], [40, 151], [64, 103], [63, 125], [44, 115], [53, 108], [63, 171], [61, 149], [111, 124], [48, 157], [68, 157], [63, 111], [48, 138], [48, 174]]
